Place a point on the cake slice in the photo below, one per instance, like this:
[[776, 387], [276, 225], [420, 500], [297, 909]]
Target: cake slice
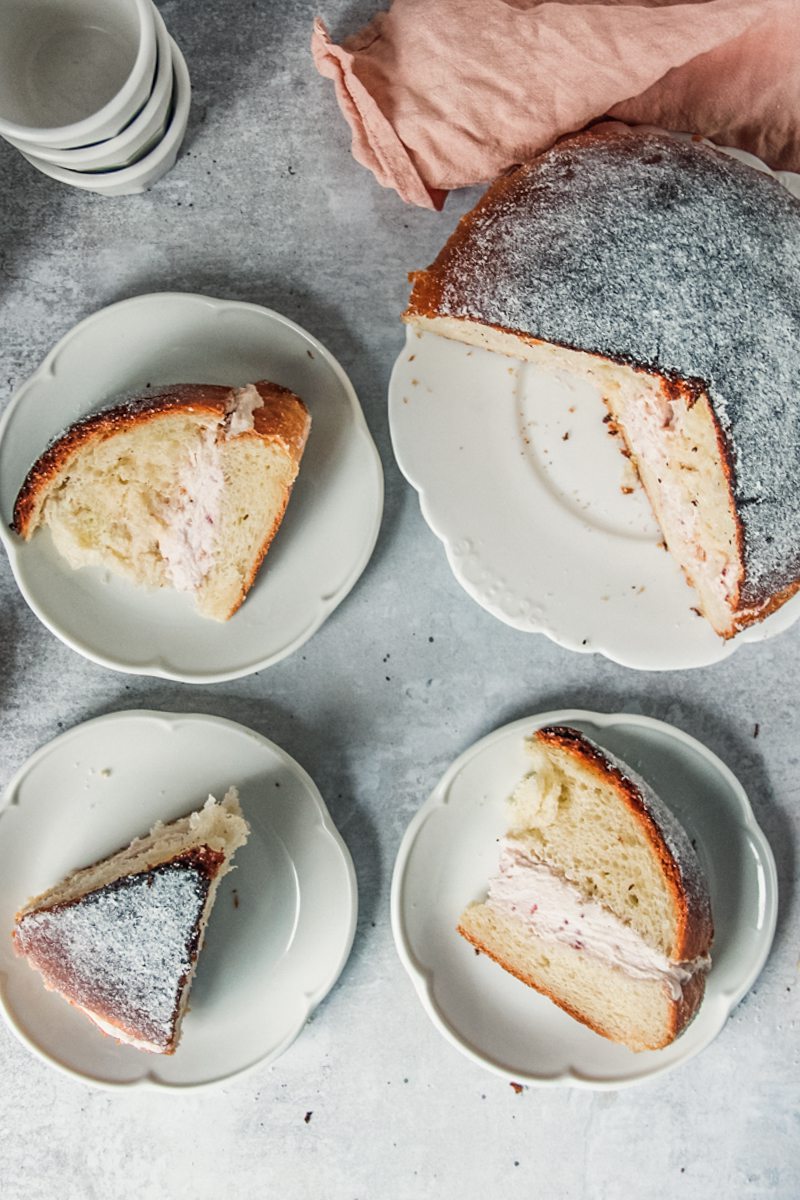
[[184, 488], [668, 274], [120, 939], [599, 902]]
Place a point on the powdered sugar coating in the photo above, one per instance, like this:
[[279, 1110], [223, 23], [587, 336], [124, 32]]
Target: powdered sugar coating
[[674, 258], [126, 950]]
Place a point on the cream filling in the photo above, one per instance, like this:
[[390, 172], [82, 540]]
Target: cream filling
[[120, 1035], [242, 408], [188, 538], [555, 910], [187, 541], [655, 425]]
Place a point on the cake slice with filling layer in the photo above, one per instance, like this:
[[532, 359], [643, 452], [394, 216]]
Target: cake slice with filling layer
[[120, 939], [667, 274], [599, 901], [184, 488]]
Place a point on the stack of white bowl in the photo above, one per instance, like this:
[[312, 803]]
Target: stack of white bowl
[[95, 93]]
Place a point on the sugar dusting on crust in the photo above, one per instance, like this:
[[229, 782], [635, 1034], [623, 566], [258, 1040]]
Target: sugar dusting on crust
[[677, 259], [124, 951]]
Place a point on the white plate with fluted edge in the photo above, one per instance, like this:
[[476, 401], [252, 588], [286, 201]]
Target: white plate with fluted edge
[[283, 923], [325, 539], [449, 852], [520, 480]]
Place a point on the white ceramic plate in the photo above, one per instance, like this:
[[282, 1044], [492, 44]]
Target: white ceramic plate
[[518, 477], [284, 918], [325, 540], [450, 851]]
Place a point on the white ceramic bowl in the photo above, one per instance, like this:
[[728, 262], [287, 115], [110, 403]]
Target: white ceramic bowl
[[74, 73], [143, 173], [137, 138]]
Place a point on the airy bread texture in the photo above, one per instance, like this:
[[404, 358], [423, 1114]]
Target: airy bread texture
[[600, 903], [618, 256], [184, 489], [120, 939], [635, 1012]]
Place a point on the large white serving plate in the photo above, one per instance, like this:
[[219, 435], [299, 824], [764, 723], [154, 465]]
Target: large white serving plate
[[325, 540], [450, 851], [518, 477], [284, 918]]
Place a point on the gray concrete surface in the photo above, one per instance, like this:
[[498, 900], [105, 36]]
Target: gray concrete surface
[[267, 205]]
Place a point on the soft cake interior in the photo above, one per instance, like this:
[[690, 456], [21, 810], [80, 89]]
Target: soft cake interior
[[173, 502], [573, 820]]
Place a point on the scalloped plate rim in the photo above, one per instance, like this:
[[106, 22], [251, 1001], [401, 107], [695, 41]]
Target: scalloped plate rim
[[721, 1004], [326, 603], [305, 1002], [751, 635]]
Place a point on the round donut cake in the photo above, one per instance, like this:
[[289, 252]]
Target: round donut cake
[[669, 273]]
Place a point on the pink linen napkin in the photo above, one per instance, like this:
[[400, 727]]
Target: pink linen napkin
[[440, 94]]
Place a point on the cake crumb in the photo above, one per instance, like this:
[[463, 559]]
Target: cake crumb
[[565, 436], [307, 1117], [235, 897], [517, 1087], [105, 773]]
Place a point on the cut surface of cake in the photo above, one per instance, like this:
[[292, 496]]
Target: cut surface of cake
[[184, 488], [599, 902], [668, 274], [120, 939]]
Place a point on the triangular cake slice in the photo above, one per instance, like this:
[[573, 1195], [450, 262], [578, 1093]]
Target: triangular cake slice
[[668, 274], [599, 901], [120, 939], [184, 488]]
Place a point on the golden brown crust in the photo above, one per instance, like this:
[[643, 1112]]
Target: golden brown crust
[[694, 924], [283, 417]]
